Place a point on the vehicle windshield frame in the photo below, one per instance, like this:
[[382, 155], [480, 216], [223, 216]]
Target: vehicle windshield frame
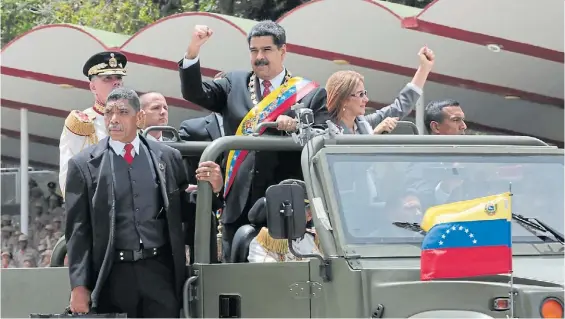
[[322, 166]]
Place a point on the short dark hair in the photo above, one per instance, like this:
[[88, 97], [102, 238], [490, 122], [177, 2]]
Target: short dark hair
[[268, 28], [434, 111], [123, 93]]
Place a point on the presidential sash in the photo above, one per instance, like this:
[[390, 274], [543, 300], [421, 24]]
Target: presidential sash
[[276, 103]]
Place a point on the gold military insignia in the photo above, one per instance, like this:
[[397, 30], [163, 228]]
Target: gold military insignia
[[112, 62], [79, 123], [490, 208]]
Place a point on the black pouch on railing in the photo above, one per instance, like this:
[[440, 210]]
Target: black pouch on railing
[[68, 314]]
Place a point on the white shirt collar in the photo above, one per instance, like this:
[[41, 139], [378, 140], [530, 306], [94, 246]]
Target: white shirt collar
[[276, 82], [151, 137], [118, 146]]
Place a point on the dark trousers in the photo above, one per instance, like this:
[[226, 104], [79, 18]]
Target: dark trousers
[[142, 289]]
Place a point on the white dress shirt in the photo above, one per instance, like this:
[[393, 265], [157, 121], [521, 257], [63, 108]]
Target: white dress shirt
[[119, 147]]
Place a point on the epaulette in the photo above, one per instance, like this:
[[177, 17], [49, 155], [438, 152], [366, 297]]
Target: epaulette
[[79, 123], [277, 246], [91, 113]]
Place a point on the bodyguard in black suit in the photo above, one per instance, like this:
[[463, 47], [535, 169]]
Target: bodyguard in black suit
[[202, 129], [233, 97], [125, 202]]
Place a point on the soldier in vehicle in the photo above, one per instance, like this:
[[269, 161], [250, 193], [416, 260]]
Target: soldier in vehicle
[[264, 248], [245, 99], [444, 117], [145, 182], [104, 70], [347, 98], [23, 251], [155, 112]]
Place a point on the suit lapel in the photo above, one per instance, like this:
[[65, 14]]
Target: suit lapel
[[101, 174], [213, 127], [258, 92], [160, 167]]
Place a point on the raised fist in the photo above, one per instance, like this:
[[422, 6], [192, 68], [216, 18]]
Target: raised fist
[[200, 35], [427, 58]]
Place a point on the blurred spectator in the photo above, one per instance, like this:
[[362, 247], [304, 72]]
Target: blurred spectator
[[6, 220], [53, 196], [48, 240], [45, 229], [8, 241], [45, 258], [24, 252], [7, 261], [29, 262]]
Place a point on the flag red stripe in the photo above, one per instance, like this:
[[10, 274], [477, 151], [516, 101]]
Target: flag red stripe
[[465, 262]]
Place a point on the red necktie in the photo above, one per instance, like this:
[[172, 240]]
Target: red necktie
[[128, 156], [267, 88]]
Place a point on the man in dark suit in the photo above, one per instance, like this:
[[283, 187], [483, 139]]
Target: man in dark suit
[[125, 203], [234, 96], [202, 129], [427, 184]]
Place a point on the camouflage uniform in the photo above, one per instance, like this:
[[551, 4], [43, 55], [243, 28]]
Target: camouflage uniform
[[20, 255]]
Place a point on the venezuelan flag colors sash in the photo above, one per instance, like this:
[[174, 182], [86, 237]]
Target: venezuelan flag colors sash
[[276, 103]]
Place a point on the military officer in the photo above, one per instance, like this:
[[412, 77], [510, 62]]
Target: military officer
[[83, 128]]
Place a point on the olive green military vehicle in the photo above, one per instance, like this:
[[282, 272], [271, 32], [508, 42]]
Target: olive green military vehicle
[[370, 266]]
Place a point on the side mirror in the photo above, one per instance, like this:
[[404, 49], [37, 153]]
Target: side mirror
[[286, 211]]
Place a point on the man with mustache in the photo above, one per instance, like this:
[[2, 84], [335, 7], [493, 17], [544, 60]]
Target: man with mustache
[[125, 203], [155, 112], [104, 70], [245, 99]]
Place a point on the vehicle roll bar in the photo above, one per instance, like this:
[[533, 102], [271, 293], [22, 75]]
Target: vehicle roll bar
[[204, 198], [162, 128], [455, 140]]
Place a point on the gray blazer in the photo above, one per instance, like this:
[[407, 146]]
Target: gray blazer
[[401, 107]]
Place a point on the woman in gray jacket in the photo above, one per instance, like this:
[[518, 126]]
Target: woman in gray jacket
[[347, 98]]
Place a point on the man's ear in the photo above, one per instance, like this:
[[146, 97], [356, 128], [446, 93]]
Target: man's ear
[[140, 121], [283, 51], [434, 127], [92, 86]]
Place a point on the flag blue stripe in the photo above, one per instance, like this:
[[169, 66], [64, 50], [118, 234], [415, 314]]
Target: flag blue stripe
[[469, 234]]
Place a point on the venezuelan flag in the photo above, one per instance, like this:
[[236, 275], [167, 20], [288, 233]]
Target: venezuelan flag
[[468, 238]]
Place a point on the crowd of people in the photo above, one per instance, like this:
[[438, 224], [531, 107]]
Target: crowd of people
[[45, 227]]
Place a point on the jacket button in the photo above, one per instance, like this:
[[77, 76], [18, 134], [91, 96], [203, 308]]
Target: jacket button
[[135, 195], [137, 209]]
